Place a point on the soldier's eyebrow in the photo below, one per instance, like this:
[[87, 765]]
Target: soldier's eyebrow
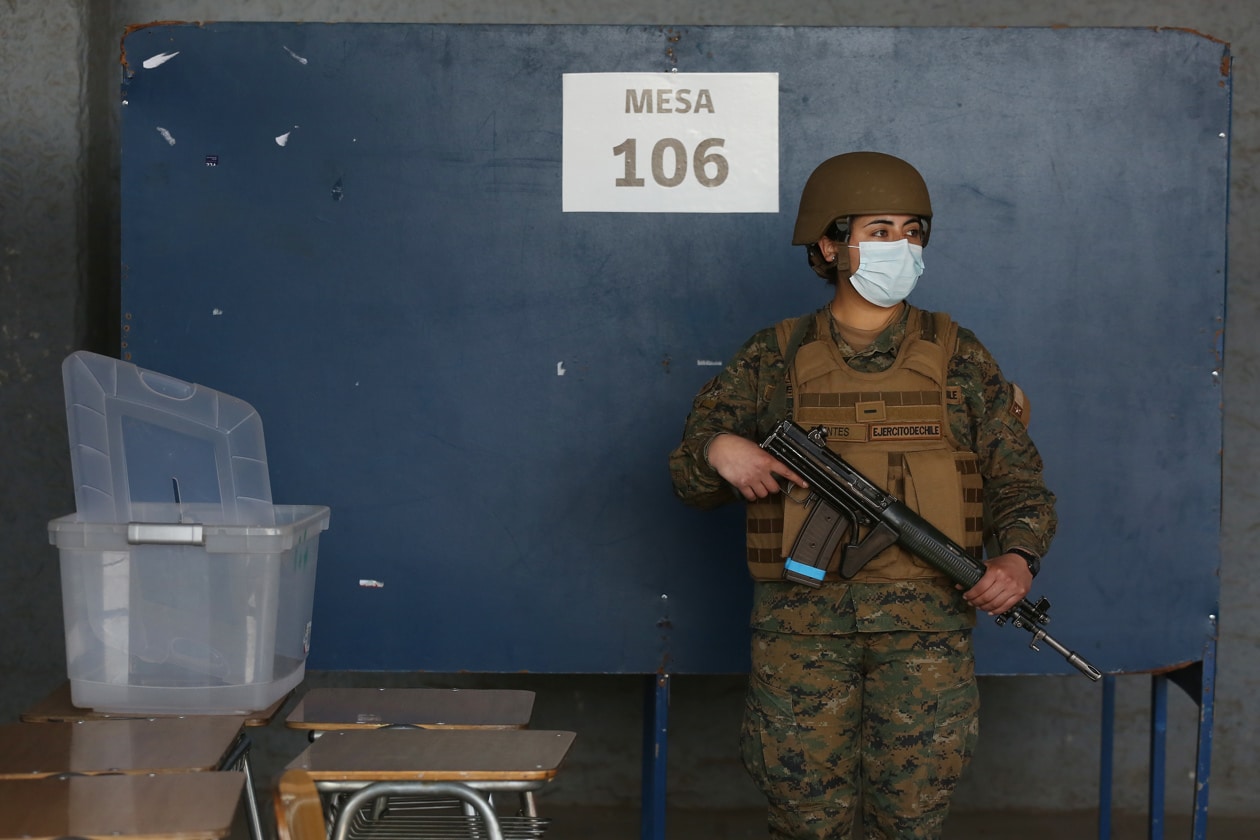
[[874, 222]]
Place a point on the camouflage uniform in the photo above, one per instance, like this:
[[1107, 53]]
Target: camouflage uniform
[[865, 690]]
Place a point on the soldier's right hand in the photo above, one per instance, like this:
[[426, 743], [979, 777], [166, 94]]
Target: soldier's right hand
[[753, 471]]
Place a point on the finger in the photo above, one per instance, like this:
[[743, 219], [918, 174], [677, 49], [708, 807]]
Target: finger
[[985, 596], [758, 489], [981, 591], [791, 476], [999, 607], [999, 603]]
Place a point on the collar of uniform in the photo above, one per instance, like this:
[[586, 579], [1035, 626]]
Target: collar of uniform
[[885, 346]]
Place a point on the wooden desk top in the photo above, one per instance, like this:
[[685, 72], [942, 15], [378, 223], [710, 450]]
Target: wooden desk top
[[57, 707], [448, 708], [451, 755], [158, 745], [182, 806]]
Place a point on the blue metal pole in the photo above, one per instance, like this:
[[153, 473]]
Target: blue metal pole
[[1107, 757], [1203, 757], [1159, 732]]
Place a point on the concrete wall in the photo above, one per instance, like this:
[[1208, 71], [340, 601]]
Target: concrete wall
[[58, 281], [42, 142]]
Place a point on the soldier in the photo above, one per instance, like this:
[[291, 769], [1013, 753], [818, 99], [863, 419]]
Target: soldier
[[864, 690]]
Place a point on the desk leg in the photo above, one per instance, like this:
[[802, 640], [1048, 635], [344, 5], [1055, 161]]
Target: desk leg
[[655, 744], [238, 759], [1198, 680], [251, 802], [1203, 756]]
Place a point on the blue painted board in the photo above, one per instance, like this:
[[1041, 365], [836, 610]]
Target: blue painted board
[[396, 290]]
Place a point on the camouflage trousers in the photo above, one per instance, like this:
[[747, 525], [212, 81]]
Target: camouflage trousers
[[889, 720]]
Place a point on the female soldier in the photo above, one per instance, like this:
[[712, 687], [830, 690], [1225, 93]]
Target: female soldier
[[864, 689]]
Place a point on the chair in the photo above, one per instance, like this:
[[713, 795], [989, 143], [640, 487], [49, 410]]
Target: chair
[[489, 762], [301, 814], [299, 811]]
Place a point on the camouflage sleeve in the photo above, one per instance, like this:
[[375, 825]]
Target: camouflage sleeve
[[1020, 506], [731, 402]]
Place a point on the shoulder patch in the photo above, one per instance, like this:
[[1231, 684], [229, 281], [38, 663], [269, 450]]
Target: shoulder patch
[[1020, 406]]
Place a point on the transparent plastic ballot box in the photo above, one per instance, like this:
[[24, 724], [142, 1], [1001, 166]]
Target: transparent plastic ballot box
[[187, 617]]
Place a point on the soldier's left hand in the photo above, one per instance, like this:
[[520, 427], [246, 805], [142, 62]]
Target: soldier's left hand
[[1006, 581]]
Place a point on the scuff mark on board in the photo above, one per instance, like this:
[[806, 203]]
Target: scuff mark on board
[[371, 584], [136, 27], [158, 60], [299, 59], [166, 135]]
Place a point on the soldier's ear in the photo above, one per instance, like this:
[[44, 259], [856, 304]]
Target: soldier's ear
[[829, 248]]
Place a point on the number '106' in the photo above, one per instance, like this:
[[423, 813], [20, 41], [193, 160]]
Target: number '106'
[[711, 168]]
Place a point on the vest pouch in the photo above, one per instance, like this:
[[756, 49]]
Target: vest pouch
[[931, 491], [947, 490], [894, 563], [764, 537]]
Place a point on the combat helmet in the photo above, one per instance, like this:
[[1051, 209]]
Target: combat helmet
[[856, 184]]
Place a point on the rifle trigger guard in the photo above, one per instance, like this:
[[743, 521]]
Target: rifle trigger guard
[[791, 488]]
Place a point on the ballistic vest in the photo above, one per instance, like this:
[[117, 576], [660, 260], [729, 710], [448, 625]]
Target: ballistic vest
[[891, 426]]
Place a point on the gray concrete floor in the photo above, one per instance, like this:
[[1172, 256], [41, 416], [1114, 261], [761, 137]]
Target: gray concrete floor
[[573, 823]]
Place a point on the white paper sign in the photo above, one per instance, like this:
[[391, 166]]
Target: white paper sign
[[671, 142]]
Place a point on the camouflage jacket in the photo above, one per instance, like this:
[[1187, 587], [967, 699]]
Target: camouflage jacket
[[1020, 506]]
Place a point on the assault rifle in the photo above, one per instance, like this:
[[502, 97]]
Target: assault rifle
[[844, 501]]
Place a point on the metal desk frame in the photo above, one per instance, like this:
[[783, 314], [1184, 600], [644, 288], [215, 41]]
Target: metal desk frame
[[1198, 680]]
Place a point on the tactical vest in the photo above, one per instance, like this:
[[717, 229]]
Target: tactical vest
[[893, 427]]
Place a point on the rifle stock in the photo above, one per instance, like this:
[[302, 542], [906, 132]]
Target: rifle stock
[[845, 501]]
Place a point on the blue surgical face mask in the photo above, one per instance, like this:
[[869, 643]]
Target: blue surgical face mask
[[887, 271]]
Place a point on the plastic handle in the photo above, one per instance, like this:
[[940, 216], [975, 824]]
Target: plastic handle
[[167, 386], [165, 533]]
